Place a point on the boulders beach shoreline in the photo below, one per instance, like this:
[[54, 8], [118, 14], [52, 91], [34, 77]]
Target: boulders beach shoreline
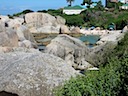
[[28, 72]]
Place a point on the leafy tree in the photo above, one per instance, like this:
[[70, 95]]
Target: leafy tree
[[114, 5], [99, 6], [55, 12], [89, 2], [73, 20], [70, 2]]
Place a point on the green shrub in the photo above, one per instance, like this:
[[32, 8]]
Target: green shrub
[[73, 20], [55, 12]]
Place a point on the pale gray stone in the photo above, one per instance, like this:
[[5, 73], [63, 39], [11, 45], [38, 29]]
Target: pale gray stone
[[32, 74], [72, 50]]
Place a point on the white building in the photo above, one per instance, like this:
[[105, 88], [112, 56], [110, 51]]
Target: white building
[[125, 6], [70, 10]]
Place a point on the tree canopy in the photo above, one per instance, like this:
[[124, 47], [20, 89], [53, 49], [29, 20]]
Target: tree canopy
[[70, 2], [89, 2]]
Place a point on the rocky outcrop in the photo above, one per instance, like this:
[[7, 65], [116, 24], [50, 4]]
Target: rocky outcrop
[[32, 74], [71, 50], [39, 19], [43, 23]]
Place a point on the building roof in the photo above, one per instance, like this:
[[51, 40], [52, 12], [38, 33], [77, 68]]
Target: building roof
[[125, 5], [77, 7]]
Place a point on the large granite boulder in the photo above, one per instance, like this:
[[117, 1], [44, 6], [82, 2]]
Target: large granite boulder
[[32, 74], [71, 50], [43, 22], [36, 19]]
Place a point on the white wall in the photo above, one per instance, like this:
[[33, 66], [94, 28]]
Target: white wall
[[124, 7], [71, 11]]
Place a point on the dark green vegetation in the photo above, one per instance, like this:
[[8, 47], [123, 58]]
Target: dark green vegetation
[[110, 80], [113, 4], [23, 12]]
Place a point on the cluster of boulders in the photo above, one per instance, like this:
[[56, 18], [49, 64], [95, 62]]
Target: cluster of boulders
[[45, 23], [15, 34], [72, 50], [38, 22], [26, 71], [77, 54]]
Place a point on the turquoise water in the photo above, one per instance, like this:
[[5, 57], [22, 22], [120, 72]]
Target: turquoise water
[[92, 39]]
